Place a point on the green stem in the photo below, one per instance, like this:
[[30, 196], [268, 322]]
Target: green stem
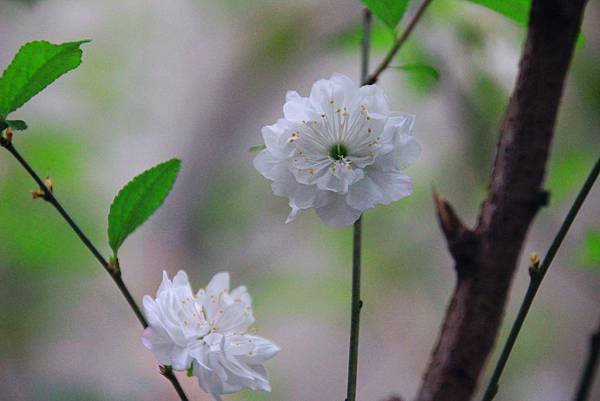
[[167, 371], [402, 38], [365, 45], [111, 268], [355, 313], [590, 368], [356, 303], [537, 275]]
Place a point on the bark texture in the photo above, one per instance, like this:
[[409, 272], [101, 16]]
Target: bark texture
[[486, 256]]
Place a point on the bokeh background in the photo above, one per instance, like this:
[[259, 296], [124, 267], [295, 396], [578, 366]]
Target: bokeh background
[[197, 79]]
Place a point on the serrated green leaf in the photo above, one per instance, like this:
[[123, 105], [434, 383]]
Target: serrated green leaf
[[517, 10], [388, 11], [138, 200], [257, 148], [421, 69], [36, 65], [17, 125]]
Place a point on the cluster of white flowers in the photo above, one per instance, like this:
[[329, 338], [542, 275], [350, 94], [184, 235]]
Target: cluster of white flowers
[[208, 332], [340, 151]]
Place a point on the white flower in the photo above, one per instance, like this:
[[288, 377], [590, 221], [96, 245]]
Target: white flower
[[340, 151], [208, 332]]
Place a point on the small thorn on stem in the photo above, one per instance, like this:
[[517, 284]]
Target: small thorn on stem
[[43, 192], [462, 242], [48, 184], [38, 193], [114, 266], [534, 267], [9, 135]]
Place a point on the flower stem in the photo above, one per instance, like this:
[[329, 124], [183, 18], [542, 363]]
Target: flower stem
[[356, 303], [111, 268], [355, 313], [536, 277], [167, 371], [371, 79], [590, 368]]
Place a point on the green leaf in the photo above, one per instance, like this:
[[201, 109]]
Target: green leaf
[[420, 69], [17, 125], [190, 372], [517, 10], [389, 11], [257, 148], [138, 200], [36, 65]]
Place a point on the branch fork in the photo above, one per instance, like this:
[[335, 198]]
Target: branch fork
[[487, 257]]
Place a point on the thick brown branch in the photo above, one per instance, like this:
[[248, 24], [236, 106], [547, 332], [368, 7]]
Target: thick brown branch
[[476, 307]]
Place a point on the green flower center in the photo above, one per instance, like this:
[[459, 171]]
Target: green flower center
[[338, 151]]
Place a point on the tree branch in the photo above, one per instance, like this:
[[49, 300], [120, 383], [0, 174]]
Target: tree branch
[[477, 305]]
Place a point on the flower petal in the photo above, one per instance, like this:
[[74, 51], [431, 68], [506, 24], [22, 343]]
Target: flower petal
[[263, 350], [364, 194], [374, 99], [218, 284], [271, 167], [337, 212], [298, 109], [394, 185], [338, 92]]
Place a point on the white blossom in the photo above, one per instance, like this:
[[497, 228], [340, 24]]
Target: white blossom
[[208, 332], [340, 151]]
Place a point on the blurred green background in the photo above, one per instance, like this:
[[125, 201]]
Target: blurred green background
[[197, 80]]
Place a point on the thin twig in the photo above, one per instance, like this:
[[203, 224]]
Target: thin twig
[[537, 275], [590, 368], [365, 45], [356, 241], [112, 269], [167, 371], [371, 79]]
